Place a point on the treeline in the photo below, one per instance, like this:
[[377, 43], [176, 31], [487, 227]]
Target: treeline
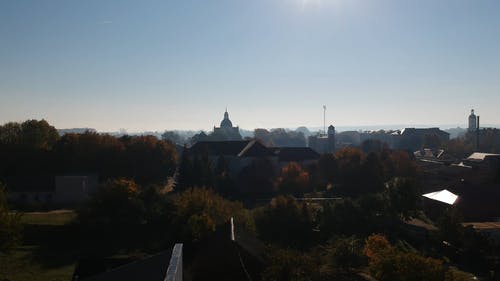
[[275, 137], [349, 172], [35, 148]]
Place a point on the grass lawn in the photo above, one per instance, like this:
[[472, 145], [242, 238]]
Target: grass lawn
[[59, 217], [20, 265], [40, 258]]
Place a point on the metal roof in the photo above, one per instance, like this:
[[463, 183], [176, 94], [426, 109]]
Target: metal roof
[[444, 196]]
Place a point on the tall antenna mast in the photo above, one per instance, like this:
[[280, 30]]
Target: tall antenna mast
[[324, 119]]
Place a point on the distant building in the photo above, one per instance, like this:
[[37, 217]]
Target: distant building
[[226, 131], [303, 155], [49, 190], [416, 138], [323, 143], [237, 154], [483, 160], [472, 121]]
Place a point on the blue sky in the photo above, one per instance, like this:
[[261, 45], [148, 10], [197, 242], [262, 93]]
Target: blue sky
[[154, 65]]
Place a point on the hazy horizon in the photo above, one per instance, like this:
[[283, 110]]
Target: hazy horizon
[[160, 65], [310, 128]]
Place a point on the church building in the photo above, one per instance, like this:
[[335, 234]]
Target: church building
[[226, 131]]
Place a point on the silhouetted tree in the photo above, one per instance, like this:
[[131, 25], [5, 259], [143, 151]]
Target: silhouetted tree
[[404, 195], [285, 221], [257, 179], [293, 180], [10, 224], [117, 204]]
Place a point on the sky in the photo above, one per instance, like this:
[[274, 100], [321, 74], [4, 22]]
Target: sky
[[156, 65]]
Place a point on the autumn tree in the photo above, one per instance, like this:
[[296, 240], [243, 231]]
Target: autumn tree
[[290, 265], [199, 211], [389, 264], [293, 180]]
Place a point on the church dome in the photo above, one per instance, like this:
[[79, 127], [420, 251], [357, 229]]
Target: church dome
[[226, 123]]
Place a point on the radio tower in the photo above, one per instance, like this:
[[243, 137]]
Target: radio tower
[[324, 119]]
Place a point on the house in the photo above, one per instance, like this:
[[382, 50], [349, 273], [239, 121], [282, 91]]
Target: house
[[303, 155], [323, 143], [237, 154], [65, 190], [415, 138], [482, 160]]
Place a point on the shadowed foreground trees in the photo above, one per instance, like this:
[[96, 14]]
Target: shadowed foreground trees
[[116, 203], [34, 148], [389, 264], [285, 221], [10, 224]]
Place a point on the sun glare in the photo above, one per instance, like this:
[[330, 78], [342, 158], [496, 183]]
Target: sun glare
[[305, 3]]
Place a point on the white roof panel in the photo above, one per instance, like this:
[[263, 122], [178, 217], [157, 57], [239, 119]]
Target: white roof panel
[[443, 196]]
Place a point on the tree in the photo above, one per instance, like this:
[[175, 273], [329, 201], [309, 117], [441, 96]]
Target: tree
[[388, 264], [344, 253], [10, 224], [116, 204], [293, 180], [328, 168], [350, 172], [38, 134], [404, 196], [257, 179], [342, 217], [173, 137], [285, 221], [290, 265], [199, 211], [10, 134], [374, 177]]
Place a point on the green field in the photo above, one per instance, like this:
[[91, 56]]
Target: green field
[[39, 258], [61, 217], [20, 265]]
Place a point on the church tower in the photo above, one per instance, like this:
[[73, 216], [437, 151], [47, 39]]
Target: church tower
[[226, 131], [472, 121]]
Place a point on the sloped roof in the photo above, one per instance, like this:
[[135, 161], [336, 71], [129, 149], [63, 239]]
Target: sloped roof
[[444, 196], [243, 148], [255, 149], [296, 154], [153, 268], [226, 148], [480, 156]]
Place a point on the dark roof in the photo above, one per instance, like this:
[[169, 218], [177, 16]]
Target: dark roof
[[255, 149], [229, 148], [412, 131], [30, 183], [242, 148], [296, 154], [153, 268]]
